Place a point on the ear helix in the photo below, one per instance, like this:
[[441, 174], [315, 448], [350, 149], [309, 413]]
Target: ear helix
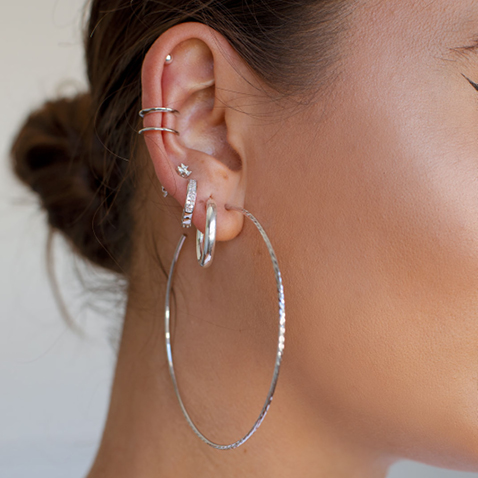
[[159, 109]]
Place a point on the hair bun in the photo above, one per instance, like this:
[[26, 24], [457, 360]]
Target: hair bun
[[57, 155]]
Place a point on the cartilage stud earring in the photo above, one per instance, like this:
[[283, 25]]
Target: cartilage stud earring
[[183, 171], [168, 59]]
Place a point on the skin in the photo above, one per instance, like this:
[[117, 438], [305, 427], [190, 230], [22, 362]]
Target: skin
[[370, 198]]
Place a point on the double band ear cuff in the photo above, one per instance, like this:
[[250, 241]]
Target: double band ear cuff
[[157, 109]]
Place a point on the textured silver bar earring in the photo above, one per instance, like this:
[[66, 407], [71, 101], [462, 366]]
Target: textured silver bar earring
[[190, 203]]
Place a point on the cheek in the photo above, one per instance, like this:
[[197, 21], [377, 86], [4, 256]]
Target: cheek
[[385, 327]]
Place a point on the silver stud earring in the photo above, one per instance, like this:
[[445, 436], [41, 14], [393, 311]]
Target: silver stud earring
[[168, 59], [183, 171]]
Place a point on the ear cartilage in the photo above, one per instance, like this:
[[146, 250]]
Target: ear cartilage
[[183, 171]]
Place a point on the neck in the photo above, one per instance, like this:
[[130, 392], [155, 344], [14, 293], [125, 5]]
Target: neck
[[224, 351]]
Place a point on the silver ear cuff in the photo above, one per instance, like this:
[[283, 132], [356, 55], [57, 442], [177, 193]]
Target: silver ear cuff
[[156, 128], [157, 109]]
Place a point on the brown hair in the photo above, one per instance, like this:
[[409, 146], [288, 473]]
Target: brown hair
[[78, 153]]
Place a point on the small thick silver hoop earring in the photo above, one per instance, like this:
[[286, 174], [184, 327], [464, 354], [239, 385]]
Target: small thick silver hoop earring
[[165, 193], [205, 243], [190, 203], [280, 343]]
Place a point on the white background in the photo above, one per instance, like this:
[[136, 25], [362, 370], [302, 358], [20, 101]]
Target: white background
[[55, 385]]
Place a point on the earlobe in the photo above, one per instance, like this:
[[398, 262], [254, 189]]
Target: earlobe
[[186, 127]]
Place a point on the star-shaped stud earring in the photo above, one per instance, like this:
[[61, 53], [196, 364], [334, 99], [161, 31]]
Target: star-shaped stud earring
[[183, 171]]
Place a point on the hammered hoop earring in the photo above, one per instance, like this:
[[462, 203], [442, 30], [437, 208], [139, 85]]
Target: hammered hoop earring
[[280, 343]]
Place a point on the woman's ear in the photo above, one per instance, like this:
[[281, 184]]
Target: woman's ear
[[190, 83]]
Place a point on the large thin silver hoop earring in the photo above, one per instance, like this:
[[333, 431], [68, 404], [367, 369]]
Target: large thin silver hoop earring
[[280, 344]]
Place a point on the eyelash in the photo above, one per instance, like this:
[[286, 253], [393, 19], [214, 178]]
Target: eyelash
[[472, 83]]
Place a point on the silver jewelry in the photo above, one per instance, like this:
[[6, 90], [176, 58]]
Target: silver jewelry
[[190, 203], [151, 128], [157, 109], [165, 193], [280, 344], [205, 243], [168, 59], [183, 171]]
